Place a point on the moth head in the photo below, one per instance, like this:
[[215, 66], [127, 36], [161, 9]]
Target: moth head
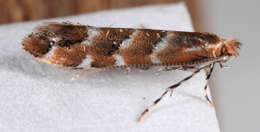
[[229, 49]]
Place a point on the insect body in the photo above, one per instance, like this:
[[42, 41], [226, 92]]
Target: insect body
[[93, 49]]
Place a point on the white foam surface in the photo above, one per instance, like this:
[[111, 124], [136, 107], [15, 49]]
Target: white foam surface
[[35, 96]]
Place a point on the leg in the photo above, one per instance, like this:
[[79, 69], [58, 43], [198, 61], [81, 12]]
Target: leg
[[169, 89], [224, 66], [206, 86], [90, 71], [169, 68], [166, 69], [206, 96]]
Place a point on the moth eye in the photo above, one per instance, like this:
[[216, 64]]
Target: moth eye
[[52, 43]]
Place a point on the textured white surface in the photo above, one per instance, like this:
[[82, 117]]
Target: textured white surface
[[39, 97]]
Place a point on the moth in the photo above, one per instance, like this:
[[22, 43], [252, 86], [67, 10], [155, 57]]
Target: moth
[[94, 49]]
